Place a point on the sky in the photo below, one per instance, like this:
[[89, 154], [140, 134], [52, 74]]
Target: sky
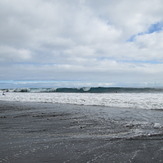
[[81, 42]]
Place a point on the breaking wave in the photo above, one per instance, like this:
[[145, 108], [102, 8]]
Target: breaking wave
[[90, 90]]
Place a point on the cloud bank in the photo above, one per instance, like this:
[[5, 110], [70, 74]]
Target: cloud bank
[[82, 40]]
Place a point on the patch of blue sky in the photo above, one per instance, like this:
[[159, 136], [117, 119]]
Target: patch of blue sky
[[6, 81], [142, 61], [132, 38], [106, 58], [36, 81], [131, 61], [157, 27], [32, 63]]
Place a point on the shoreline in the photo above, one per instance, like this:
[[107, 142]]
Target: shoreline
[[47, 132]]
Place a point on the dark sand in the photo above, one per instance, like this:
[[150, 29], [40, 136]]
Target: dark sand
[[57, 133]]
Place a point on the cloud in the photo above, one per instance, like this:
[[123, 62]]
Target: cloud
[[9, 54], [81, 40]]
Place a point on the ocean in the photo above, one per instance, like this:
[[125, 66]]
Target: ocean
[[133, 98]]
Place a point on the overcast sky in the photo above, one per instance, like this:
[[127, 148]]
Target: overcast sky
[[114, 42]]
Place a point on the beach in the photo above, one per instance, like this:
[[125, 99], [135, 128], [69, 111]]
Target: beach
[[47, 132]]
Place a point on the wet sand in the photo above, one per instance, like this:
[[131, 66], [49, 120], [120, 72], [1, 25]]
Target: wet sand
[[57, 133]]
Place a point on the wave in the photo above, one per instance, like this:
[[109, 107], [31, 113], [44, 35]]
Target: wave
[[152, 101], [89, 90]]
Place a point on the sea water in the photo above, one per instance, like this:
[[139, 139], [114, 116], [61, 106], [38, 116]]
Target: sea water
[[153, 101]]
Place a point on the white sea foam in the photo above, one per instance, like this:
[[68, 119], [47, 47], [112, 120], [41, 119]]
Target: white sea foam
[[128, 100]]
